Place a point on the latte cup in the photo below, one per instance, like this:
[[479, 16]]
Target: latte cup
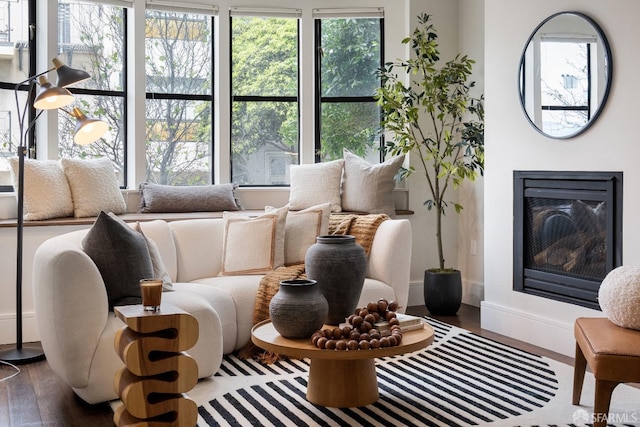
[[151, 291]]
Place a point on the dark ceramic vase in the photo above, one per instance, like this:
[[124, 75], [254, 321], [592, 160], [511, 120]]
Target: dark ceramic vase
[[442, 292], [339, 266], [298, 309]]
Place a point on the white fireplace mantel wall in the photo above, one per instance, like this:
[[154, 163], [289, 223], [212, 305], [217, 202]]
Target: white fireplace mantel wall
[[611, 144]]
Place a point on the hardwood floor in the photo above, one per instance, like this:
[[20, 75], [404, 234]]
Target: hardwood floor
[[36, 397]]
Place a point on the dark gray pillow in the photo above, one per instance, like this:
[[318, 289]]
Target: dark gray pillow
[[198, 198], [122, 257]]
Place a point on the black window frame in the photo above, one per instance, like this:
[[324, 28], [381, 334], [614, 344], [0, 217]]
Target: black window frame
[[158, 96], [254, 98], [319, 99], [115, 93], [31, 112]]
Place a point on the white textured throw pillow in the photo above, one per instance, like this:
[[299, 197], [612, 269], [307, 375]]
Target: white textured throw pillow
[[94, 186], [301, 230], [369, 187], [253, 245], [315, 184], [619, 296], [46, 190]]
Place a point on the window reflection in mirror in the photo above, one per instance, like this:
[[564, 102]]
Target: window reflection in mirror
[[565, 74]]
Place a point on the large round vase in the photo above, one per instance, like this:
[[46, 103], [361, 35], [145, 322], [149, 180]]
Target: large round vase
[[442, 292], [298, 309], [339, 266]]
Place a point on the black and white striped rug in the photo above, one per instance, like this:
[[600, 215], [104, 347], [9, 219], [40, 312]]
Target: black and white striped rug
[[462, 379]]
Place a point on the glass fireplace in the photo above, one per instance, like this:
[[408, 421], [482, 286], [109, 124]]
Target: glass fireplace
[[567, 233]]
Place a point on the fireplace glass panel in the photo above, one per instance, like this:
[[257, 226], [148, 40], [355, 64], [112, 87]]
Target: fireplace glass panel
[[567, 233], [566, 237]]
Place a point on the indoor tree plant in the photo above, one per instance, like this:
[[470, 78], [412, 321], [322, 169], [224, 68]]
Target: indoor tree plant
[[436, 118]]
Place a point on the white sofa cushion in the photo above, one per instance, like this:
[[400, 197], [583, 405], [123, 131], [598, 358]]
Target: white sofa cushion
[[198, 246], [242, 290], [253, 245], [159, 269], [301, 230], [369, 187], [46, 192], [94, 186], [326, 185], [160, 232]]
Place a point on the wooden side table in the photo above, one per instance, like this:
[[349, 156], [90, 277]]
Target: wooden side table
[[157, 372]]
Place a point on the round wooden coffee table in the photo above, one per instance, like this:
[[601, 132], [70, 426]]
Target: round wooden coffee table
[[338, 378]]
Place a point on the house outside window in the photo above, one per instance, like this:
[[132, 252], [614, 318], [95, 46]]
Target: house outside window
[[264, 96], [253, 98]]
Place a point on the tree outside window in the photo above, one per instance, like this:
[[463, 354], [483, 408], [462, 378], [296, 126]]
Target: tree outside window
[[264, 92], [179, 103], [91, 36], [349, 51]]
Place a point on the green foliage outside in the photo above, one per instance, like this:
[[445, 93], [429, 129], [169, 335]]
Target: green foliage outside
[[264, 64], [350, 58]]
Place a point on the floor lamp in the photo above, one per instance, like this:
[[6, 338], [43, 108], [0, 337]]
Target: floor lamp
[[48, 97]]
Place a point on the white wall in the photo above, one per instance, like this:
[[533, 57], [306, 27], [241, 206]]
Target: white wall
[[460, 30], [512, 144]]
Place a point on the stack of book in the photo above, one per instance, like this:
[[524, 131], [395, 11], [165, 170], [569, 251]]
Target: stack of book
[[406, 323]]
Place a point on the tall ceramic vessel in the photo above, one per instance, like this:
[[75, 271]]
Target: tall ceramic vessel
[[339, 266], [298, 309]]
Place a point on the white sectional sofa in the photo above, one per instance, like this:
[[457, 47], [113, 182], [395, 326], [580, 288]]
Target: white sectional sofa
[[77, 329]]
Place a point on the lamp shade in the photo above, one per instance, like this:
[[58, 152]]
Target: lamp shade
[[50, 97], [67, 75], [87, 129]]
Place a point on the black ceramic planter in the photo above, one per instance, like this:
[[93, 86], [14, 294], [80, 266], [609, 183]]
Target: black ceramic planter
[[442, 292]]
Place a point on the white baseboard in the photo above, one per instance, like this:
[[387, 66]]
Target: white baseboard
[[540, 331], [8, 328], [472, 293]]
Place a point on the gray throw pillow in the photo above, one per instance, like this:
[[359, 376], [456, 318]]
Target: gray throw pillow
[[122, 257], [182, 198]]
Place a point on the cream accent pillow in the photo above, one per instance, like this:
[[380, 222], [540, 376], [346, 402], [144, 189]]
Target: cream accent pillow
[[369, 188], [94, 186], [315, 184], [159, 269], [46, 190], [301, 230], [253, 245]]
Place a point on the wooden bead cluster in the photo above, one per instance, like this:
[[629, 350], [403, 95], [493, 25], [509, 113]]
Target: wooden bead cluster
[[359, 332]]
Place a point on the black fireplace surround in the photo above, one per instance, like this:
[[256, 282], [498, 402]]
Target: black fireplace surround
[[567, 233]]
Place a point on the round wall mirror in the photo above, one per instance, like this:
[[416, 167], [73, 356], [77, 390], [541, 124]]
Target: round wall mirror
[[565, 75]]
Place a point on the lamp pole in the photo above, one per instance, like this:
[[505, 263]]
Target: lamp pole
[[48, 98], [32, 352]]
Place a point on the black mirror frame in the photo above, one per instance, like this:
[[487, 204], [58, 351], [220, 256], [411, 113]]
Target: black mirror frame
[[608, 57]]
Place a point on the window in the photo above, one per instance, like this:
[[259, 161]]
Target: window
[[566, 93], [349, 50], [17, 62], [170, 120], [179, 107], [92, 38], [264, 98]]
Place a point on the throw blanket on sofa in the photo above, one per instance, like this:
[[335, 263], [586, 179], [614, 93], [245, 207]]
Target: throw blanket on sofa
[[362, 227]]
